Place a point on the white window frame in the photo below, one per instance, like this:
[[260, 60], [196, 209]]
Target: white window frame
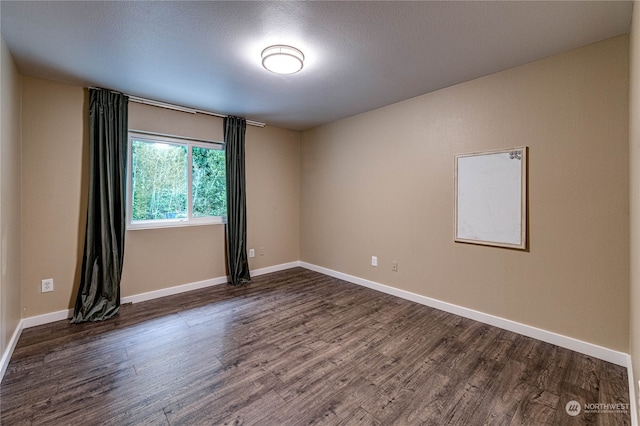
[[152, 137]]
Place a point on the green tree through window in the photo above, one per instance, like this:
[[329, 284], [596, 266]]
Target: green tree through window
[[209, 182]]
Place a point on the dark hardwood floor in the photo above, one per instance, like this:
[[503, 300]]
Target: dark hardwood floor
[[292, 348]]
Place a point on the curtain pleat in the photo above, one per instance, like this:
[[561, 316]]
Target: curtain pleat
[[234, 138], [99, 293]]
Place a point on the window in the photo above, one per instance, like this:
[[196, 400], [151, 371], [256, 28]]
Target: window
[[174, 182]]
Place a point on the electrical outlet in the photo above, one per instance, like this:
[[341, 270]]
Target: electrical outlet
[[261, 251], [47, 285], [252, 253], [394, 266], [374, 260]]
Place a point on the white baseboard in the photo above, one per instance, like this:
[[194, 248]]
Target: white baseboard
[[590, 349], [136, 298], [633, 404], [275, 268], [6, 357], [169, 291], [46, 318]]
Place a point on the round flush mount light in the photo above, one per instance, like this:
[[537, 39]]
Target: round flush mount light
[[282, 59]]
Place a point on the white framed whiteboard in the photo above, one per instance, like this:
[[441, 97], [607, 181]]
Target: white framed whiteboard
[[491, 198]]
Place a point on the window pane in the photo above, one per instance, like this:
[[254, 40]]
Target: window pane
[[158, 180], [209, 195]]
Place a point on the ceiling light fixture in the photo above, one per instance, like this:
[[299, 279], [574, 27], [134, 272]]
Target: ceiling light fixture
[[282, 59]]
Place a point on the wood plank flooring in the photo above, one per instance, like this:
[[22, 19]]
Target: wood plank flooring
[[294, 348]]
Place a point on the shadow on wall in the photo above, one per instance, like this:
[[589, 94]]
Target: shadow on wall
[[84, 195]]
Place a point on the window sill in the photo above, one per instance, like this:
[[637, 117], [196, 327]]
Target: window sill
[[173, 224]]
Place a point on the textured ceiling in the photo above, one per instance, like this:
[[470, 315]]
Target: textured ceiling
[[359, 55]]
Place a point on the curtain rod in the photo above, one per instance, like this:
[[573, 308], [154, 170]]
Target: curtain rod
[[168, 135], [151, 102]]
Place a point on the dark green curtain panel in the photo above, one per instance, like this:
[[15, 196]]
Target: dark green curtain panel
[[234, 131], [99, 293]]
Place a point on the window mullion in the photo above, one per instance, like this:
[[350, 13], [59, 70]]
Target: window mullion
[[129, 187], [189, 182]]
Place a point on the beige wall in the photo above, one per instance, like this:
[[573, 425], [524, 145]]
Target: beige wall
[[381, 183], [55, 177], [634, 190], [54, 158], [10, 193]]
